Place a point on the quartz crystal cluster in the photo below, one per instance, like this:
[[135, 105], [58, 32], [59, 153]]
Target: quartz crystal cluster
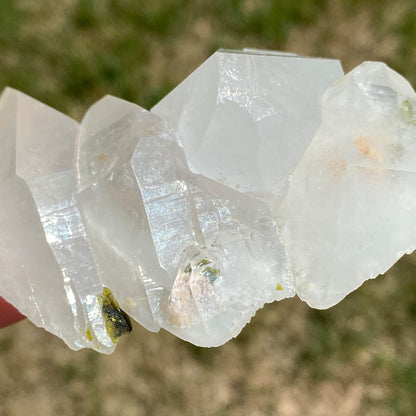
[[261, 176]]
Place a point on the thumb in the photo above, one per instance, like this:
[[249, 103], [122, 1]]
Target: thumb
[[8, 314]]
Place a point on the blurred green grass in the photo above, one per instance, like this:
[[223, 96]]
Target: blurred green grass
[[82, 49], [102, 47], [68, 55]]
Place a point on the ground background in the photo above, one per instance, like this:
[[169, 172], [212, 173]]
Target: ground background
[[357, 358]]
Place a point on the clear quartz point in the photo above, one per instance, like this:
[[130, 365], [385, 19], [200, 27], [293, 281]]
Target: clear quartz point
[[244, 118], [180, 251], [349, 214], [221, 250], [46, 266], [256, 178]]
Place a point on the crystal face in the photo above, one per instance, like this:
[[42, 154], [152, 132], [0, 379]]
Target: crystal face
[[245, 119], [180, 251], [255, 179], [46, 266], [349, 213]]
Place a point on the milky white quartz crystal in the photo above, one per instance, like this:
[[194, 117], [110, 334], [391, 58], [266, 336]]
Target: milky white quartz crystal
[[253, 180], [349, 214], [245, 118], [46, 266], [179, 251]]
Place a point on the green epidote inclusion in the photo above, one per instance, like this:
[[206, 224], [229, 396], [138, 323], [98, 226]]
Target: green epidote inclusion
[[407, 112], [117, 321], [210, 273], [203, 262]]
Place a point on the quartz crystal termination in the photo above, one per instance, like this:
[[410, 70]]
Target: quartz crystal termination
[[255, 179], [244, 118], [349, 213], [46, 266], [191, 255]]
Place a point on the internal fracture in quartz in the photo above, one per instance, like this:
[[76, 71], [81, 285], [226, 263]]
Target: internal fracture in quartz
[[253, 180]]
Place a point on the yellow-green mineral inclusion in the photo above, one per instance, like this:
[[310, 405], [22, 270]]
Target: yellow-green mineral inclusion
[[117, 321]]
